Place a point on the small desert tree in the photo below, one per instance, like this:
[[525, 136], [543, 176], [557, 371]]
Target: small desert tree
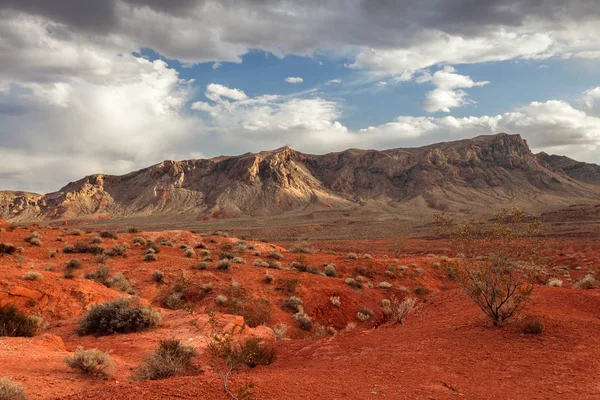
[[498, 260], [226, 355]]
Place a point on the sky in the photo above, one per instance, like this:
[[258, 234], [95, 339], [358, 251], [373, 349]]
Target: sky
[[112, 86]]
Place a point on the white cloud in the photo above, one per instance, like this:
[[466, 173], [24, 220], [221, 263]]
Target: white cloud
[[333, 81], [591, 100], [447, 93], [216, 92], [294, 79], [216, 65]]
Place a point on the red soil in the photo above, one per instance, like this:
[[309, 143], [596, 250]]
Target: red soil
[[445, 349]]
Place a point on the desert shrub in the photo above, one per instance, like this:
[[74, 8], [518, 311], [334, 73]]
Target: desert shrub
[[221, 300], [275, 255], [356, 284], [350, 327], [174, 301], [91, 362], [166, 243], [202, 265], [302, 250], [352, 256], [119, 281], [421, 291], [395, 310], [69, 273], [60, 238], [35, 242], [330, 270], [75, 232], [82, 248], [207, 287], [335, 300], [587, 282], [241, 246], [223, 265], [226, 255], [280, 331], [274, 264], [158, 277], [304, 321], [73, 263], [52, 254], [150, 257], [7, 248], [96, 240], [11, 391], [183, 246], [436, 265], [260, 263], [498, 263], [200, 245], [418, 271], [100, 275], [362, 317], [189, 253], [32, 276], [204, 253], [363, 271], [139, 241], [14, 322], [555, 282], [290, 285], [254, 352], [384, 285], [118, 316], [108, 235], [170, 359], [151, 247], [238, 260], [367, 256], [303, 267], [256, 312], [118, 250], [294, 304], [133, 230], [534, 327], [269, 278]]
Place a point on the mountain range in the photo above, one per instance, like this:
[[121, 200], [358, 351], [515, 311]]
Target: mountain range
[[485, 171]]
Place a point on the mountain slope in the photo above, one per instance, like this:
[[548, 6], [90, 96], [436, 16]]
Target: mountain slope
[[486, 170], [585, 172]]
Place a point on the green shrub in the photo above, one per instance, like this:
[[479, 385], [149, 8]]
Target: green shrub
[[91, 362], [253, 352], [14, 322], [170, 359], [118, 316], [11, 391]]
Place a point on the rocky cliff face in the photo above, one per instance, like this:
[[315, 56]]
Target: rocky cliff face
[[497, 169], [585, 172]]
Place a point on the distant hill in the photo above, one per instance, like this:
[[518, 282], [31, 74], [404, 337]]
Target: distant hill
[[486, 171]]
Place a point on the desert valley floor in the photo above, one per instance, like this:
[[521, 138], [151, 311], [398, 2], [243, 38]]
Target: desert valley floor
[[444, 349]]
